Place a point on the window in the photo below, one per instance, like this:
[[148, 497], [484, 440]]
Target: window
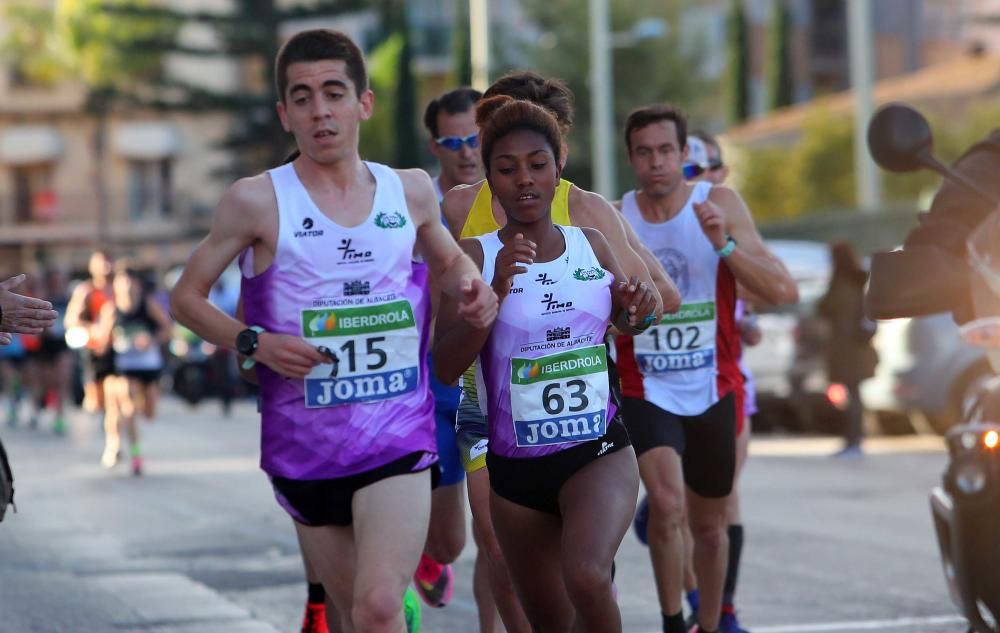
[[34, 199], [150, 189]]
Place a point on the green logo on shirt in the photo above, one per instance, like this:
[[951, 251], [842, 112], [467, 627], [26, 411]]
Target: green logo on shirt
[[588, 274], [394, 220]]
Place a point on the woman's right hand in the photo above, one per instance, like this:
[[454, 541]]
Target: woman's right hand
[[512, 260]]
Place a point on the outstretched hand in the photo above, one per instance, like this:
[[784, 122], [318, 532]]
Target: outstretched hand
[[479, 304], [637, 300], [21, 314]]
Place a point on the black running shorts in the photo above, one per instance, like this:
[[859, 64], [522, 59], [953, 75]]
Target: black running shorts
[[319, 502], [535, 482], [705, 442]]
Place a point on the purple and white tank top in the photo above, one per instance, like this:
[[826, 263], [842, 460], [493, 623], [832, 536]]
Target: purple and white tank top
[[544, 365], [356, 292]]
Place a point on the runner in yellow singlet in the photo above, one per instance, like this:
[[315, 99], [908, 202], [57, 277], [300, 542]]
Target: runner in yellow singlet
[[471, 211]]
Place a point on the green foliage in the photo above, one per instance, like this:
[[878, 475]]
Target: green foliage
[[462, 47], [30, 47], [738, 96], [84, 39], [563, 52], [765, 184], [407, 139], [378, 139], [817, 173], [780, 69]]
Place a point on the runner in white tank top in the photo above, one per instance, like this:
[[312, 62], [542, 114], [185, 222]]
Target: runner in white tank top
[[679, 377], [363, 298], [560, 467]]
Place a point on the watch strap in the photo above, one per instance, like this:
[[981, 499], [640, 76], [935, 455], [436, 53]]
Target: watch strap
[[249, 361]]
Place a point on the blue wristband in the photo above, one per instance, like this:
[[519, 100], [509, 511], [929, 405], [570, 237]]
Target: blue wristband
[[728, 249]]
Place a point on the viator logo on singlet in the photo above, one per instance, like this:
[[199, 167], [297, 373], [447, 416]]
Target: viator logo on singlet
[[308, 230]]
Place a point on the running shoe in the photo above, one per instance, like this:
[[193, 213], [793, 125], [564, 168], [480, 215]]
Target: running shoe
[[137, 465], [110, 457], [728, 623], [314, 620], [641, 522], [59, 425], [434, 582], [411, 611], [693, 600]]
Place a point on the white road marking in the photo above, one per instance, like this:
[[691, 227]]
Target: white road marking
[[860, 625]]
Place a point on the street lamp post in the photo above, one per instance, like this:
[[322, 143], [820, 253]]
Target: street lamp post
[[859, 33], [601, 100], [602, 89], [479, 29]]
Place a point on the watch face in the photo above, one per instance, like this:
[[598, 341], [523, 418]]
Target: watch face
[[246, 342]]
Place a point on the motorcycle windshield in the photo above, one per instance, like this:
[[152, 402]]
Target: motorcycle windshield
[[984, 258]]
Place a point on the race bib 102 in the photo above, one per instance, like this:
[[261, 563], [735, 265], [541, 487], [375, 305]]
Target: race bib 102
[[681, 342], [374, 349], [560, 398]]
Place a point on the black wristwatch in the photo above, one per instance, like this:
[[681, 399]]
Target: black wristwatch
[[247, 343]]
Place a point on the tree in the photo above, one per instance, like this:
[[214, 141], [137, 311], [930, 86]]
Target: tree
[[739, 69], [249, 35], [560, 51], [462, 46], [780, 69], [404, 106], [83, 41]]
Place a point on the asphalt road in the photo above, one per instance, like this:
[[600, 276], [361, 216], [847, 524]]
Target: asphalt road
[[198, 544]]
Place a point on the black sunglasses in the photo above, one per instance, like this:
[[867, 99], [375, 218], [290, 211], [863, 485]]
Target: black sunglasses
[[715, 164]]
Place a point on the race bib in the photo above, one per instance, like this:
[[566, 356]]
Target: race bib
[[374, 349], [681, 342], [560, 398]]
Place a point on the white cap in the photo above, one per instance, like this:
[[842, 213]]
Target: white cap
[[697, 152]]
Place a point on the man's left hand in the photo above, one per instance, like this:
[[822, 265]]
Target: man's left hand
[[713, 223]]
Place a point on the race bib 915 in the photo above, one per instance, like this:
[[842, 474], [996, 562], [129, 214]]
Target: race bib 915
[[560, 398], [374, 349]]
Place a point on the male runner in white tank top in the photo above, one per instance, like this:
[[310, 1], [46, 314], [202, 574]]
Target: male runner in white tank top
[[678, 378], [329, 422]]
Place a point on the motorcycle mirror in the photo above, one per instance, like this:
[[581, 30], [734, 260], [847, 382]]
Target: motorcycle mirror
[[899, 138]]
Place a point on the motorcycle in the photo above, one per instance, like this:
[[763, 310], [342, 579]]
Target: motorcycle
[[966, 506]]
